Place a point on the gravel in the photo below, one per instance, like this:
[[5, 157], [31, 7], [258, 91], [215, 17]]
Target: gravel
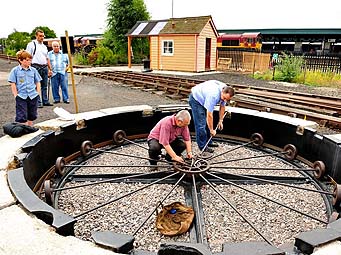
[[278, 224]]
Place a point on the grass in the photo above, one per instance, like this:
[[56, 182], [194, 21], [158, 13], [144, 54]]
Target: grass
[[309, 78]]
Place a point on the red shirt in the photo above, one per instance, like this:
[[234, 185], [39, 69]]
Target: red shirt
[[166, 131]]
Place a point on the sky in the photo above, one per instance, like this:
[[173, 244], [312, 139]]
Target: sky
[[89, 17]]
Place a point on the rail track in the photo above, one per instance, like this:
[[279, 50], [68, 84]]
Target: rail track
[[324, 110], [4, 56]]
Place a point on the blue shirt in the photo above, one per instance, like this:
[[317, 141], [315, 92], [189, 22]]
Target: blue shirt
[[208, 94], [25, 81], [58, 61]]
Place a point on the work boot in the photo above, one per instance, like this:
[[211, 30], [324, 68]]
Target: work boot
[[213, 145], [209, 150]]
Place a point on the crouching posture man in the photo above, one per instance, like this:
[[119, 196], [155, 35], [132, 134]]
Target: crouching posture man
[[171, 133]]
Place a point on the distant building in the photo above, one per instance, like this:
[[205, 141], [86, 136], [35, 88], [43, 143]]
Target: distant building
[[179, 44]]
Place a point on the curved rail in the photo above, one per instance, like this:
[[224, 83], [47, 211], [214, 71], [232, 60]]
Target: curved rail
[[324, 110]]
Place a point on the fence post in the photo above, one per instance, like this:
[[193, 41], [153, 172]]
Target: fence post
[[305, 71], [253, 68], [273, 71]]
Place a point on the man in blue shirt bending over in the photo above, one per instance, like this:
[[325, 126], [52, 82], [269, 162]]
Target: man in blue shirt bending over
[[203, 98]]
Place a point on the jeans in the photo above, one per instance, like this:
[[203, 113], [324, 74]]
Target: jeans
[[178, 146], [44, 72], [57, 81], [202, 133]]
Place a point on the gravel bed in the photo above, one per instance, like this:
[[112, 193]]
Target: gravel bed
[[278, 224]]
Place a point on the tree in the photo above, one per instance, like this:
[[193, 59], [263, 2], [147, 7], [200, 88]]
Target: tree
[[122, 16], [17, 41], [49, 33]]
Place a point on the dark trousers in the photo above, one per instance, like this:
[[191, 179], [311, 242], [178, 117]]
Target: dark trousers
[[178, 145], [26, 109], [44, 72]]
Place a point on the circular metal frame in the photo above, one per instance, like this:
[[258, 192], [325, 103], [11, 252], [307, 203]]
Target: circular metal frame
[[97, 131]]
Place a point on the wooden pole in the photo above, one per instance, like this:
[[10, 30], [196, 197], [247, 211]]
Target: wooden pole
[[71, 70], [129, 51]]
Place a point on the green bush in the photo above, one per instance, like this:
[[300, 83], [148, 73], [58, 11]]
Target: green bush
[[102, 56], [10, 52], [80, 59], [288, 68]]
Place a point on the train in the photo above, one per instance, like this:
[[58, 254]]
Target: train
[[244, 41], [80, 43], [256, 42]]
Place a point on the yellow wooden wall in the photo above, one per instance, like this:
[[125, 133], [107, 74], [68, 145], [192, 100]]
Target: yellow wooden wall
[[207, 33], [183, 58], [189, 52]]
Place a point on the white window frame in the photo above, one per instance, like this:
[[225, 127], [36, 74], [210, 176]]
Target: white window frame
[[163, 53]]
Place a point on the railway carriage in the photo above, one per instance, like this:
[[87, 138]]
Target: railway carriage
[[245, 41]]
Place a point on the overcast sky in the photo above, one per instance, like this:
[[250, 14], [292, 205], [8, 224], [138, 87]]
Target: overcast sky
[[89, 17]]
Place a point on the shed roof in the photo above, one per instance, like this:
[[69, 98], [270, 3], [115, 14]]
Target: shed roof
[[187, 25]]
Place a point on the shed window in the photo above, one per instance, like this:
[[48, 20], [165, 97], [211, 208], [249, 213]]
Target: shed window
[[168, 47]]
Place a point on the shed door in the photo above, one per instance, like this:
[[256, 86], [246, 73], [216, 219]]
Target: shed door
[[208, 54]]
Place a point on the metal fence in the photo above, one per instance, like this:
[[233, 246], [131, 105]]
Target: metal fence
[[323, 63]]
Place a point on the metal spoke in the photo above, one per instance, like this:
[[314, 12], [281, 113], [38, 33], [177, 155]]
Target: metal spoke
[[266, 198], [235, 209], [233, 149], [196, 207], [123, 196], [266, 168], [259, 156], [131, 156], [139, 145], [113, 165], [279, 183], [109, 180], [160, 202]]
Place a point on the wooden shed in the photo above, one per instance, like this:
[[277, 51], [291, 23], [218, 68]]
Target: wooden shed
[[179, 44]]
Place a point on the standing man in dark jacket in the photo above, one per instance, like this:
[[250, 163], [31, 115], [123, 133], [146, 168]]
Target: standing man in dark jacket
[[39, 61]]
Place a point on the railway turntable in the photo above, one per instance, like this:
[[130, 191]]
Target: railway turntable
[[272, 185]]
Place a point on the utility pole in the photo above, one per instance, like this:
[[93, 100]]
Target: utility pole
[[172, 9]]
